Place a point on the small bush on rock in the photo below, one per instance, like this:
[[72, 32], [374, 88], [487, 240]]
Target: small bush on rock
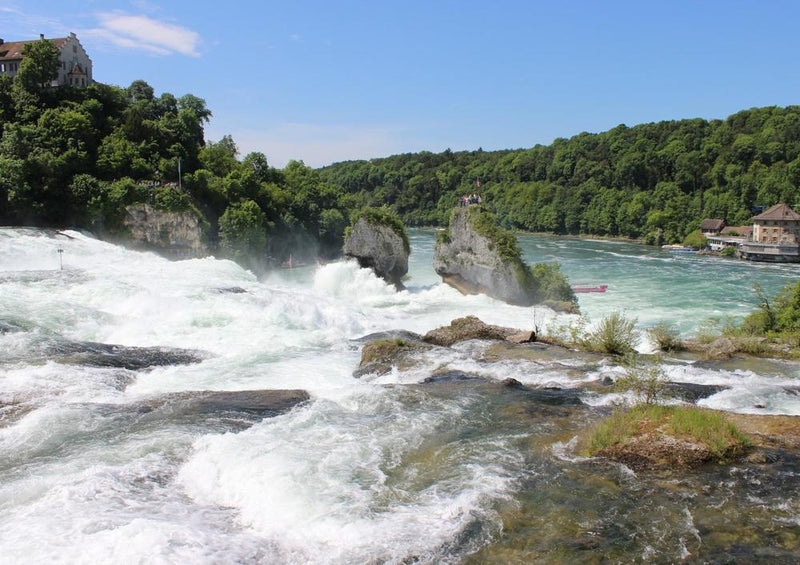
[[615, 334]]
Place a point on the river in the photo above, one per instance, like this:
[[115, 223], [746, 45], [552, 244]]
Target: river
[[99, 463]]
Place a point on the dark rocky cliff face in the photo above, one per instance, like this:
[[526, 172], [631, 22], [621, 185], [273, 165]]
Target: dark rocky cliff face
[[379, 248], [471, 263], [173, 234]]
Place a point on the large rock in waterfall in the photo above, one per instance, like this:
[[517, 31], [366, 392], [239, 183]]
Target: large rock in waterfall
[[378, 241], [174, 234], [476, 257]]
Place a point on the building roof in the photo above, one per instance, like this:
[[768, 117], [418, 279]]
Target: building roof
[[744, 231], [710, 224], [12, 50], [778, 212], [77, 71]]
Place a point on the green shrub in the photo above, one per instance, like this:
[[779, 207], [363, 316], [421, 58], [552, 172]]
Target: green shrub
[[728, 252], [171, 199], [695, 240], [666, 337], [647, 382], [551, 284], [544, 281], [615, 334], [567, 334]]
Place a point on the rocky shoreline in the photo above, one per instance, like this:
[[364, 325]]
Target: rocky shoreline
[[652, 449]]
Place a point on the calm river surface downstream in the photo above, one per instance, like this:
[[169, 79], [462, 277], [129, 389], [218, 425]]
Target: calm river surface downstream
[[108, 456]]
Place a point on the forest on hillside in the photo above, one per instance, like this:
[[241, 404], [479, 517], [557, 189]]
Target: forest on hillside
[[653, 181], [75, 157]]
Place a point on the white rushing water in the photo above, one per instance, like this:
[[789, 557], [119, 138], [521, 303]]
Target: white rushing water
[[88, 476]]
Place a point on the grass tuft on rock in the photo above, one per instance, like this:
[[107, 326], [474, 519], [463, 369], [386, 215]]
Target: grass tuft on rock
[[648, 436]]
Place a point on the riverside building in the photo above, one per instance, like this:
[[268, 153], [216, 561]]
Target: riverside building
[[775, 236]]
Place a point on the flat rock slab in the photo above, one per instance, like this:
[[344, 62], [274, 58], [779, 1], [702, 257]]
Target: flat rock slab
[[692, 392], [469, 327], [218, 410], [120, 356], [262, 403]]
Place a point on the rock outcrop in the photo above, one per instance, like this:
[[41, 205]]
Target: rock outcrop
[[173, 234], [379, 247], [469, 327], [474, 262]]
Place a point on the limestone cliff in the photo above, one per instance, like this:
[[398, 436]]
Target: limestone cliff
[[377, 245], [173, 234], [476, 257]]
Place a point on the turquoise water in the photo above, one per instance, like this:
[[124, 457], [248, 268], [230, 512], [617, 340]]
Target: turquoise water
[[101, 463], [644, 281]]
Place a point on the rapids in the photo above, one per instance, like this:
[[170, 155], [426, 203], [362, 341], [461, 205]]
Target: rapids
[[98, 464]]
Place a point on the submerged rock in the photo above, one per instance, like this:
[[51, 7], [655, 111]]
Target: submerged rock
[[378, 246], [692, 392], [220, 411], [260, 403], [120, 356], [229, 290]]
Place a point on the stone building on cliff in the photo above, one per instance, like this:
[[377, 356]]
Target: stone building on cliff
[[75, 66]]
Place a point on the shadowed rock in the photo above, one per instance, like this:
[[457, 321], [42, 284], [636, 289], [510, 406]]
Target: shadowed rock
[[261, 403], [691, 392], [120, 356], [378, 247], [230, 290], [220, 411]]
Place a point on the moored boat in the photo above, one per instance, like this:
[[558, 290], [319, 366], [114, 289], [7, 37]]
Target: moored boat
[[583, 288], [675, 248]]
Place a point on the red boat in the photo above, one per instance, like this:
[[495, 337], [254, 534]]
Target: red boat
[[582, 288]]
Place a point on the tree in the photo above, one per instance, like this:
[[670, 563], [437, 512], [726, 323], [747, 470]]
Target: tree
[[140, 90], [257, 163], [39, 65], [242, 234]]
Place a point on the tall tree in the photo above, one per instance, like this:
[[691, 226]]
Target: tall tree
[[39, 67]]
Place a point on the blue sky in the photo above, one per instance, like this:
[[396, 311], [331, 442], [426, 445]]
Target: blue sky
[[329, 81]]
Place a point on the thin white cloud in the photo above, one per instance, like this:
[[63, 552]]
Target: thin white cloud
[[21, 25], [319, 145], [146, 34]]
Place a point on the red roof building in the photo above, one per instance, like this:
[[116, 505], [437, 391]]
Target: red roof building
[[75, 66], [777, 225]]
